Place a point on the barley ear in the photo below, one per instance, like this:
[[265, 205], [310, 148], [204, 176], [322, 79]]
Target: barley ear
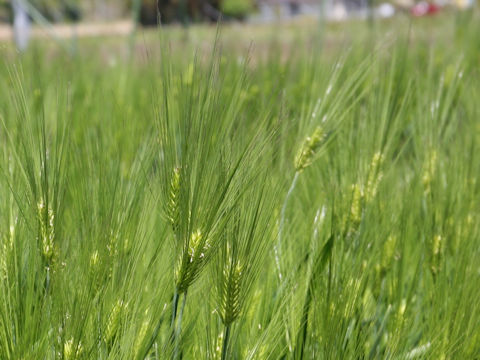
[[375, 175], [436, 254], [429, 171], [113, 323], [230, 293], [173, 212], [309, 148], [47, 233], [191, 260], [72, 350]]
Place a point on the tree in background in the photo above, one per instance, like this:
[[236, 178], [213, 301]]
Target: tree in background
[[185, 11], [58, 10], [145, 12]]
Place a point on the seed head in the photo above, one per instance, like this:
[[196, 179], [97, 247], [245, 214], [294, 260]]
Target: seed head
[[436, 244], [190, 263], [173, 213], [388, 254], [230, 293], [70, 350], [309, 148], [429, 170], [436, 254], [141, 335], [195, 246], [4, 255], [375, 175], [113, 322], [94, 259], [47, 232], [356, 207]]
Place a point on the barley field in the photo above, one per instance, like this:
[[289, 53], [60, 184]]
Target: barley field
[[299, 192]]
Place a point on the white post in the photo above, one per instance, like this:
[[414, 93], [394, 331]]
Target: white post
[[21, 25]]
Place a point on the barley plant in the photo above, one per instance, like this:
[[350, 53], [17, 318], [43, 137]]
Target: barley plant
[[303, 196]]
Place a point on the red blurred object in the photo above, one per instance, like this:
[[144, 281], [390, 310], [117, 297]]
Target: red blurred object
[[424, 8]]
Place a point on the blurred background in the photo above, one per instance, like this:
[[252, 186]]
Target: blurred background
[[150, 12], [19, 19]]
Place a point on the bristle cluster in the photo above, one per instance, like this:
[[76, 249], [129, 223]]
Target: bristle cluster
[[47, 232], [173, 213], [356, 207], [309, 148], [429, 170], [94, 259], [93, 270], [112, 248], [230, 293], [191, 260], [3, 261], [72, 350], [196, 246], [142, 334], [6, 250], [113, 322], [375, 175], [68, 350], [388, 256], [436, 252], [364, 194]]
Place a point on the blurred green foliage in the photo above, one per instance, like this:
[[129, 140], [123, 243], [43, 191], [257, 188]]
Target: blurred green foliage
[[237, 9], [179, 11]]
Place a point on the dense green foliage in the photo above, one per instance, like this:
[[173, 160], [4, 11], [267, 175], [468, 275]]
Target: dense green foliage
[[306, 204]]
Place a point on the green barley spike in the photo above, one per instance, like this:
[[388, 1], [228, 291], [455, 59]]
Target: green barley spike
[[173, 212], [192, 260], [308, 149], [113, 323], [230, 300], [47, 232]]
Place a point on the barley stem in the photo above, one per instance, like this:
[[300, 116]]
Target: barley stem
[[226, 338], [174, 315], [277, 248], [302, 336], [174, 309], [47, 281], [178, 328]]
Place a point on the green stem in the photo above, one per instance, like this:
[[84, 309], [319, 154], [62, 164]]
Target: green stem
[[318, 266], [277, 247], [47, 280], [178, 328], [302, 335], [174, 309], [226, 337], [329, 287], [176, 297]]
